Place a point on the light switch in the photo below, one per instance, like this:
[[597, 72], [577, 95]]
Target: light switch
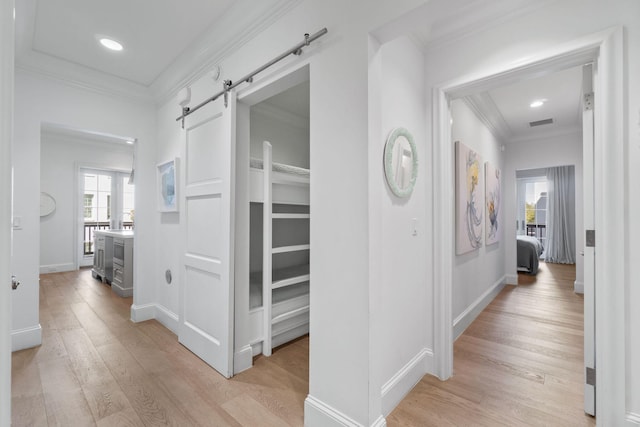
[[414, 227], [17, 223]]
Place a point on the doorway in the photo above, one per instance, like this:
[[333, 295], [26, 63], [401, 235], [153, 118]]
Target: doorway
[[272, 256], [67, 155], [576, 54], [106, 202]]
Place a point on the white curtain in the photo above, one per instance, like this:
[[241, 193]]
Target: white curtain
[[561, 216]]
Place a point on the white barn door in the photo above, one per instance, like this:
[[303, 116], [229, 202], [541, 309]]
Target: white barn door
[[206, 296]]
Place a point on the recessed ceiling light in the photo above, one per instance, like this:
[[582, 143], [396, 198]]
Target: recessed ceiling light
[[537, 103], [111, 44]]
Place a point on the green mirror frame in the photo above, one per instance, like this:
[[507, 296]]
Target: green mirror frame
[[389, 171]]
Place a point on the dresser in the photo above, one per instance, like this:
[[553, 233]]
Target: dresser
[[113, 260]]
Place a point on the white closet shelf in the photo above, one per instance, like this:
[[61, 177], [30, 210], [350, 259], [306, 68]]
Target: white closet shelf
[[286, 249], [290, 314], [290, 276], [290, 216]]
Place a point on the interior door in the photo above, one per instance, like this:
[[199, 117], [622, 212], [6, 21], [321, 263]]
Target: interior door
[[589, 250], [206, 297]]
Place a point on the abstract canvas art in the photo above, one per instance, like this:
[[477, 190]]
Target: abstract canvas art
[[492, 204], [469, 199], [167, 189]]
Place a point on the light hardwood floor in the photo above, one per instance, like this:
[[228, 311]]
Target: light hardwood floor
[[96, 367], [519, 363]]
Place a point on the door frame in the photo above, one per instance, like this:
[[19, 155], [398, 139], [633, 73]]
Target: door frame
[[260, 89], [6, 201], [605, 50]]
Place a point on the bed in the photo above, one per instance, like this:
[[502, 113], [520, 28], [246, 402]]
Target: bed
[[279, 289], [529, 250]]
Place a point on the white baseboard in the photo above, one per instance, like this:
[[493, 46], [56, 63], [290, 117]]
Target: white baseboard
[[511, 279], [26, 338], [243, 359], [140, 313], [578, 287], [633, 418], [394, 390], [319, 414], [57, 268], [380, 422], [168, 318], [463, 321]]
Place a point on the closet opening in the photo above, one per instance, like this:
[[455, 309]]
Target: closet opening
[[273, 213]]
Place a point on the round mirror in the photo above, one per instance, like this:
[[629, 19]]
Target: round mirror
[[400, 162]]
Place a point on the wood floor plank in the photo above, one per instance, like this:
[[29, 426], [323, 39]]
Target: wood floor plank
[[519, 363], [248, 412]]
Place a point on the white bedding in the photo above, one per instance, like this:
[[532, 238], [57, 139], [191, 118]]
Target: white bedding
[[280, 167]]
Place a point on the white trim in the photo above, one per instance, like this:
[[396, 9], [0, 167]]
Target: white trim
[[319, 414], [7, 43], [243, 359], [243, 21], [578, 287], [443, 235], [633, 418], [467, 317], [167, 317], [140, 313], [380, 422], [56, 268], [562, 56], [26, 338], [399, 385], [611, 278], [511, 279]]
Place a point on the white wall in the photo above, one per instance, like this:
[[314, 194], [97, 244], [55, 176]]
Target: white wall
[[339, 355], [400, 261], [477, 272], [41, 100], [509, 42], [288, 134], [58, 177], [548, 152]]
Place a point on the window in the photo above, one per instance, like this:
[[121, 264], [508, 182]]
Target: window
[[88, 205], [532, 200]]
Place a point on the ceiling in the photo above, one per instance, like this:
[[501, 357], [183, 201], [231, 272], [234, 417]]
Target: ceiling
[[507, 111], [294, 100], [60, 37], [161, 38], [152, 36]]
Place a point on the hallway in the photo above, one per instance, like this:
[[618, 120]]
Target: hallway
[[519, 363]]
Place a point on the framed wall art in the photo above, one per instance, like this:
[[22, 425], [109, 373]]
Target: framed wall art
[[469, 199], [168, 186], [493, 194]]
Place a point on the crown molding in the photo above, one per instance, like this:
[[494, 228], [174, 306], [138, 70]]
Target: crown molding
[[240, 24], [275, 113], [476, 17], [244, 20], [487, 112], [82, 78]]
